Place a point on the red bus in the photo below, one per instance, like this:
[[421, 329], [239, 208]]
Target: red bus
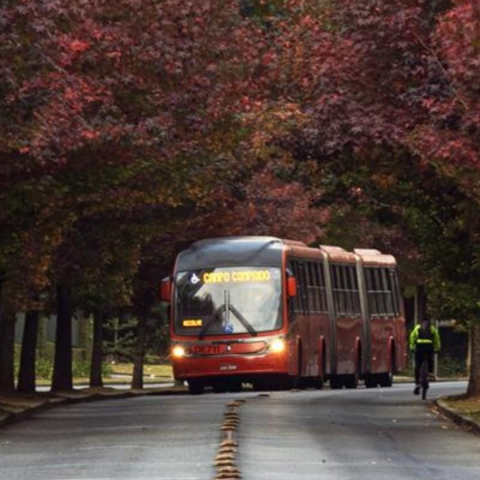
[[276, 313]]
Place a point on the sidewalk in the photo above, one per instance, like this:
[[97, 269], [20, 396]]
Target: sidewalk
[[16, 407]]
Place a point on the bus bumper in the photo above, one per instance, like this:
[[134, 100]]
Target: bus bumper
[[230, 365]]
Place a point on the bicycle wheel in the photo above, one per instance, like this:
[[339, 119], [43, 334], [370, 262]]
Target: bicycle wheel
[[424, 378]]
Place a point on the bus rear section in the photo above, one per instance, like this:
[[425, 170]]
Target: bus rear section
[[346, 324]]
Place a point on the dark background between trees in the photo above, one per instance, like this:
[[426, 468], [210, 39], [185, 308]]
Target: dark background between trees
[[129, 129]]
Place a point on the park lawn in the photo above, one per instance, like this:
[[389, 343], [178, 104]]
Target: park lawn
[[151, 374], [469, 407], [148, 370]]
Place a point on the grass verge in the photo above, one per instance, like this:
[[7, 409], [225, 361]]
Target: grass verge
[[467, 407]]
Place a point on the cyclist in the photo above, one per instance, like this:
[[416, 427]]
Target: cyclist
[[424, 342]]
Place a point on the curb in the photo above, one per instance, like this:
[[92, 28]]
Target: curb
[[65, 398], [463, 421]]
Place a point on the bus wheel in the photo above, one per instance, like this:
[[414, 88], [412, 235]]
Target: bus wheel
[[195, 387], [219, 387], [336, 382], [385, 379], [234, 386], [259, 386], [300, 383], [370, 381], [351, 381], [317, 382], [287, 382]]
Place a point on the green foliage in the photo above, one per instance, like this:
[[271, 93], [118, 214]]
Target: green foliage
[[44, 369], [451, 367], [119, 338], [448, 367], [81, 369]]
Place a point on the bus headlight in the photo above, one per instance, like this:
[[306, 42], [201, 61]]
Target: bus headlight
[[278, 345], [178, 352]]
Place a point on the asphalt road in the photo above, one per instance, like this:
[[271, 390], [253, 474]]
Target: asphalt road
[[363, 434], [355, 435]]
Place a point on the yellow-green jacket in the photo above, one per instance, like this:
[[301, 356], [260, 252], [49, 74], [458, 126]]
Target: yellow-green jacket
[[422, 341]]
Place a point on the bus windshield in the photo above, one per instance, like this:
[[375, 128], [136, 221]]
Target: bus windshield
[[226, 301]]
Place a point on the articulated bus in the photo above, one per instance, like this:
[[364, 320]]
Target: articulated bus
[[276, 313]]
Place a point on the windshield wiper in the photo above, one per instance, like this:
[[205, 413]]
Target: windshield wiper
[[231, 308], [212, 321], [248, 326], [227, 307]]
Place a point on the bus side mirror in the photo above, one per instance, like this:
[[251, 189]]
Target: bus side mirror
[[166, 290], [292, 286]]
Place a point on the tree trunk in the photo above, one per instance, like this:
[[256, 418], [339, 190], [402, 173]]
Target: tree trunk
[[62, 368], [7, 341], [97, 351], [137, 380], [26, 375], [474, 380], [2, 281], [420, 304]]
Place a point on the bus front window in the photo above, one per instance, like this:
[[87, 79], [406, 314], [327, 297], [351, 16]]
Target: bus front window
[[225, 301]]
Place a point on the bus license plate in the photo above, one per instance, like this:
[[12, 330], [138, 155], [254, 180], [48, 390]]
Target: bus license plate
[[228, 367]]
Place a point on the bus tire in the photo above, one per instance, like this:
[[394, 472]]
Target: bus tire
[[336, 382], [385, 379], [195, 387], [234, 386], [259, 385], [317, 382], [219, 387], [351, 381], [370, 380], [288, 382]]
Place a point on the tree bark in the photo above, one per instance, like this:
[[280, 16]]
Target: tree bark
[[7, 340], [62, 367], [137, 379], [2, 281], [420, 304], [474, 380], [26, 375], [96, 379]]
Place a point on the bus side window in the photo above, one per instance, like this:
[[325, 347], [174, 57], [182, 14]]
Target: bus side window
[[339, 296], [304, 290], [347, 301], [370, 283], [379, 292], [323, 288], [295, 301], [387, 287], [354, 293], [299, 302], [336, 299], [312, 294], [318, 287], [395, 292]]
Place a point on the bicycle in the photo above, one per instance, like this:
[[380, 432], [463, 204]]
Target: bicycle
[[424, 378]]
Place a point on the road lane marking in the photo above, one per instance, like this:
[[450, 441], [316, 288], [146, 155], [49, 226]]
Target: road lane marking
[[225, 461]]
